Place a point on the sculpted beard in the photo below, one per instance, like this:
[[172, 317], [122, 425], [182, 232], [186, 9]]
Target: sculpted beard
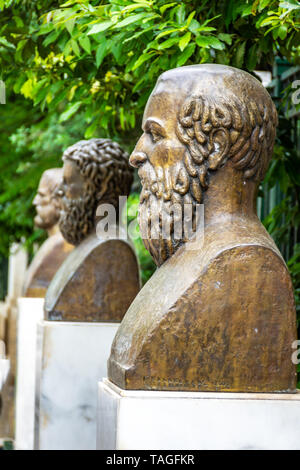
[[77, 219], [167, 209], [40, 223], [46, 218]]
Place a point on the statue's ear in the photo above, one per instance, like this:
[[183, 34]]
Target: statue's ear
[[219, 143]]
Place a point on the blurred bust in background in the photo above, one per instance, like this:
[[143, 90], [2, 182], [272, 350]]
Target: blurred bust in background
[[100, 278], [55, 249]]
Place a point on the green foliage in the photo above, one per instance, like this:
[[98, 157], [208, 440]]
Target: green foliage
[[8, 445], [105, 58], [30, 144], [294, 268], [85, 68], [283, 222]]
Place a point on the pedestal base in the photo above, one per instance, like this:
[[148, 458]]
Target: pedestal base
[[73, 359], [145, 420], [30, 312]]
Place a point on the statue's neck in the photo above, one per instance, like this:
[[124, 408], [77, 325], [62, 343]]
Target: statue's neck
[[229, 195], [53, 230]]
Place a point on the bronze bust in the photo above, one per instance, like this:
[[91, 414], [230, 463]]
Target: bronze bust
[[218, 315], [55, 249], [100, 278]]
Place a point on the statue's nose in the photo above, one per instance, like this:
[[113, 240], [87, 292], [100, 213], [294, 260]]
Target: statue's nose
[[137, 158]]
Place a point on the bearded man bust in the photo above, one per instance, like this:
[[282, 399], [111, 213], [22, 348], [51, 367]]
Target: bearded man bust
[[55, 249], [219, 313], [100, 278]]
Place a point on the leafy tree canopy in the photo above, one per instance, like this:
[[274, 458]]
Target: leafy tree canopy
[[85, 68], [104, 58]]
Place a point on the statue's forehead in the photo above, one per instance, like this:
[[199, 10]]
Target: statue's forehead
[[50, 180], [164, 102], [170, 93], [45, 184]]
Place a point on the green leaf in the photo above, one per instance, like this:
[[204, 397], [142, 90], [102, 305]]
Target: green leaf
[[209, 41], [290, 5], [75, 47], [245, 10], [98, 28], [4, 42], [275, 32], [189, 50], [90, 130], [85, 43], [226, 38], [263, 4], [184, 41], [252, 57], [203, 41], [100, 53], [206, 28], [166, 32], [70, 25], [229, 12], [165, 7], [190, 18], [238, 59], [168, 43], [194, 26], [180, 13], [51, 38], [137, 35], [116, 50], [143, 59], [21, 45], [130, 19], [136, 6], [18, 21], [282, 31], [70, 111]]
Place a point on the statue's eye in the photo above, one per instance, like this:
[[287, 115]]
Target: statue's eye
[[156, 137]]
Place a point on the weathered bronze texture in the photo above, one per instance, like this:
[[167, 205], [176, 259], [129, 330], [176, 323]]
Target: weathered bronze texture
[[55, 249], [100, 278], [219, 313]]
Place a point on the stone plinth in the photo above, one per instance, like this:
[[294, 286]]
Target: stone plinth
[[73, 358], [30, 312], [196, 420]]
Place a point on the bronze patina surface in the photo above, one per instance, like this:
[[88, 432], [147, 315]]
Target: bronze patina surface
[[100, 278], [55, 249], [219, 313]]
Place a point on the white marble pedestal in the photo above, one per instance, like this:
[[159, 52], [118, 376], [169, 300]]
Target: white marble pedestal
[[148, 420], [30, 312], [73, 358]]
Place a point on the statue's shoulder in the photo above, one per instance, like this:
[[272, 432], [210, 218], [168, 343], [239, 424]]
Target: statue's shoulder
[[224, 244], [45, 264], [95, 272], [232, 288], [208, 315]]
